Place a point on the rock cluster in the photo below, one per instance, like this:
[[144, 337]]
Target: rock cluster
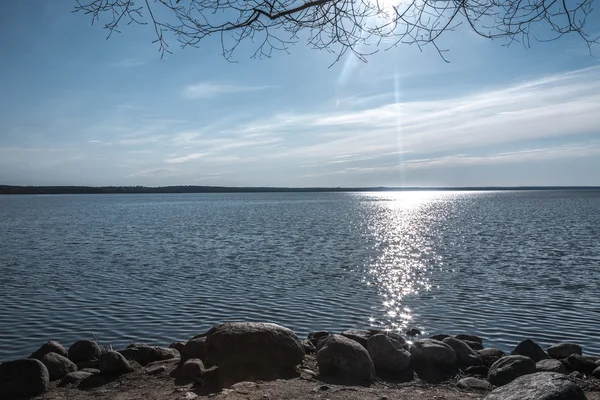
[[245, 351]]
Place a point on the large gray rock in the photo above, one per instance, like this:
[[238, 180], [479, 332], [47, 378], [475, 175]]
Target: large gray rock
[[51, 346], [550, 365], [58, 366], [465, 355], [192, 369], [576, 362], [252, 350], [84, 350], [360, 335], [508, 368], [469, 338], [345, 359], [563, 350], [474, 383], [144, 354], [194, 348], [474, 345], [539, 386], [388, 355], [490, 356], [75, 377], [23, 378], [113, 363], [433, 360], [529, 348]]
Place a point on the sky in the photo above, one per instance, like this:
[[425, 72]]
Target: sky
[[78, 109]]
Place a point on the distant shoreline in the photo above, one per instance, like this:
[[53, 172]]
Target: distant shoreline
[[13, 190]]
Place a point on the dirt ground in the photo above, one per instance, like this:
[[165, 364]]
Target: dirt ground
[[140, 385]]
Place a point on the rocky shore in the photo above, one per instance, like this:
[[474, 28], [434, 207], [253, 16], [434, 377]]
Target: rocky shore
[[268, 361]]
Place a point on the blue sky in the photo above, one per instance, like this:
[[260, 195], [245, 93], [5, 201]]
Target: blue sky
[[77, 109]]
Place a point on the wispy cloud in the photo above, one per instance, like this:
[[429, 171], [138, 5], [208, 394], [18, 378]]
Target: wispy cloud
[[183, 159], [205, 90]]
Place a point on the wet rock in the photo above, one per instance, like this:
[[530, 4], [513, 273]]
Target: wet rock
[[74, 377], [345, 359], [84, 350], [529, 348], [192, 369], [177, 346], [477, 370], [58, 366], [508, 368], [194, 348], [359, 335], [465, 355], [22, 378], [51, 346], [113, 363], [413, 332], [315, 336], [439, 336], [539, 386], [577, 362], [471, 338], [550, 365], [433, 360], [474, 345], [144, 354], [388, 355], [474, 383], [490, 356], [563, 350], [253, 350]]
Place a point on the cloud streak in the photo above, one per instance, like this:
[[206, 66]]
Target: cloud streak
[[206, 90]]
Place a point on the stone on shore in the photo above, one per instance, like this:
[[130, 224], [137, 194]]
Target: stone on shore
[[388, 355], [551, 365], [490, 356], [508, 368], [577, 362], [474, 383], [563, 350], [113, 363], [58, 366], [84, 350], [75, 377], [439, 336], [23, 378], [529, 348], [51, 346], [252, 350], [474, 345], [144, 354], [345, 359], [596, 373], [465, 355], [192, 369], [477, 370], [194, 348], [177, 346], [360, 335], [539, 386], [314, 337], [433, 360], [469, 338]]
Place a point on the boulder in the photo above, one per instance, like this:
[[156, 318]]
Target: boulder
[[51, 346], [470, 338], [563, 350], [253, 350], [113, 363], [360, 335], [474, 345], [508, 368], [413, 332], [596, 373], [144, 354], [477, 370], [388, 355], [577, 362], [490, 356], [315, 336], [192, 369], [474, 383], [550, 365], [345, 359], [465, 355], [177, 346], [194, 348], [539, 386], [74, 377], [529, 348], [433, 360], [58, 366], [439, 336], [84, 350], [23, 378]]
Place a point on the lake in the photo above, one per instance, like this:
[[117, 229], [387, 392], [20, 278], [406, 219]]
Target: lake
[[506, 265]]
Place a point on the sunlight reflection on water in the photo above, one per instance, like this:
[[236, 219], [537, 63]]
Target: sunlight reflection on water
[[404, 226]]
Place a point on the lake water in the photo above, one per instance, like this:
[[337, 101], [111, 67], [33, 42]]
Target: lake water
[[160, 268]]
